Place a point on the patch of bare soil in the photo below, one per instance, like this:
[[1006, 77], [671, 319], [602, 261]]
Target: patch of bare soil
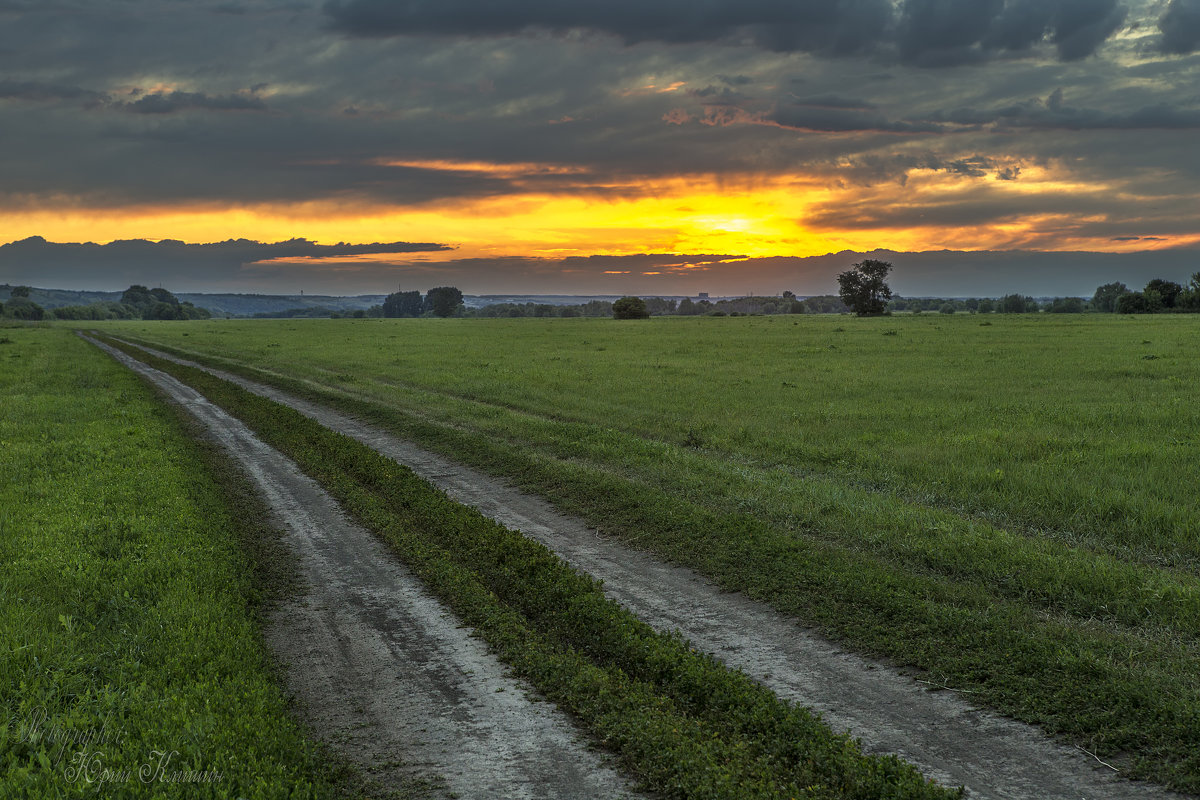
[[380, 669], [936, 729]]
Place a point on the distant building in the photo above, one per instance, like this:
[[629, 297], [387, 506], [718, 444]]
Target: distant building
[[702, 296]]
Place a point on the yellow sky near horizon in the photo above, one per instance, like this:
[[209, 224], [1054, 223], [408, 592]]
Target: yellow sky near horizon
[[752, 217]]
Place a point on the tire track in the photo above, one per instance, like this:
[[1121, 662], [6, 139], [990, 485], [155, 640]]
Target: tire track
[[994, 757], [380, 669]]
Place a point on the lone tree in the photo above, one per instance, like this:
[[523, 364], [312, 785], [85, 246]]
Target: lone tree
[[863, 289], [630, 308]]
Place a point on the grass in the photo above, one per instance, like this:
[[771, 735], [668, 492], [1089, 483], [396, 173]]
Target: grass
[[132, 663], [1003, 507], [686, 725]]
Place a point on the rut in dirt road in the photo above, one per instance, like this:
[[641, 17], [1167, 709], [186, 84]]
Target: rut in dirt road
[[380, 669], [947, 738]]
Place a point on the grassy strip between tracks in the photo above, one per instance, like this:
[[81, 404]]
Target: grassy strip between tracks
[[688, 726], [130, 659], [1128, 692]]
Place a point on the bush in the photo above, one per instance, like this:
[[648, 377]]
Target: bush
[[1066, 305], [21, 308], [1016, 304], [95, 311], [1133, 303], [1168, 291], [1107, 296], [630, 308]]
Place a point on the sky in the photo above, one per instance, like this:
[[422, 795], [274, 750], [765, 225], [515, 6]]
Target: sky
[[652, 147]]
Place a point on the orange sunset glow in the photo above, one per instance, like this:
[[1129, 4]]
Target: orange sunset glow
[[758, 217]]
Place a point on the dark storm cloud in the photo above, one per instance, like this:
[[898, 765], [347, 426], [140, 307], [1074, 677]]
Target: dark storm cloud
[[1054, 113], [439, 98], [151, 103], [931, 33], [718, 94], [226, 159], [1180, 26], [875, 169], [816, 26], [835, 101], [830, 119], [735, 80], [951, 32], [35, 91], [180, 264], [970, 209], [823, 114]]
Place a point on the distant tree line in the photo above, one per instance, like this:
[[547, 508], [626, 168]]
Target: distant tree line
[[447, 301], [864, 285], [1159, 296], [137, 302], [592, 308], [300, 312]]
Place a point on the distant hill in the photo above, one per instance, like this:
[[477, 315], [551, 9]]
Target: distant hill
[[247, 305], [237, 305]]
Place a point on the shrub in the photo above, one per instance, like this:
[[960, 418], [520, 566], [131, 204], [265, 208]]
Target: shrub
[[22, 308], [630, 308], [1133, 303]]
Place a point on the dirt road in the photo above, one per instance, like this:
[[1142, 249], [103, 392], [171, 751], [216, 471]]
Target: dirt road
[[939, 731], [381, 670]]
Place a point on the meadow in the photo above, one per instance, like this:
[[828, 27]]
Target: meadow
[[682, 723], [132, 594], [1003, 504]]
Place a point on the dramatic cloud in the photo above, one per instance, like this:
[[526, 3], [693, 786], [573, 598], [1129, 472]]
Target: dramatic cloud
[[35, 92], [531, 133], [925, 32], [1054, 113], [805, 117], [951, 32], [1180, 26], [815, 26]]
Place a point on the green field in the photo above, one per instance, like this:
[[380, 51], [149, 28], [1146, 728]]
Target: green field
[[1005, 502], [132, 664], [681, 722]]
